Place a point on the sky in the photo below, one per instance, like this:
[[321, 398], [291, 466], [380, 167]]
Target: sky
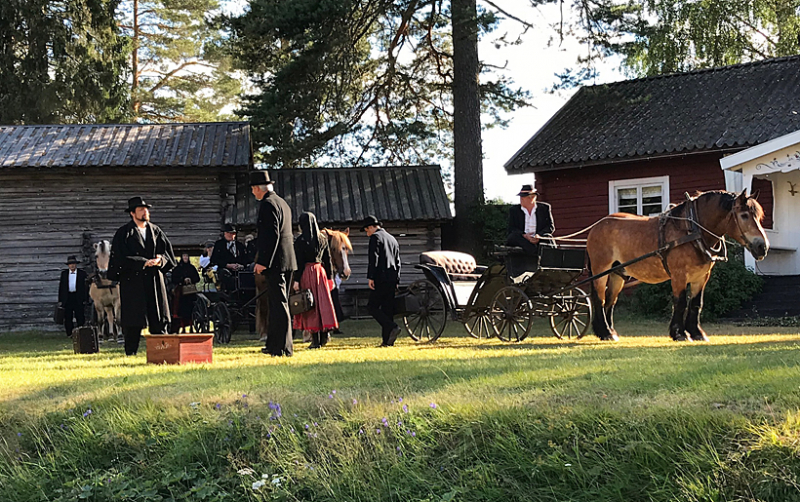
[[532, 65]]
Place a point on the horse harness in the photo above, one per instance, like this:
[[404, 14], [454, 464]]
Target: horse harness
[[695, 236], [97, 280]]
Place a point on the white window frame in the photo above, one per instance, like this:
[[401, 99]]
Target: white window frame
[[637, 183]]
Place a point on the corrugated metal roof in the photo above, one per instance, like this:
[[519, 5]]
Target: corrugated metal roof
[[725, 108], [347, 195], [225, 144]]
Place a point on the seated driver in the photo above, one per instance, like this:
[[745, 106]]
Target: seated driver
[[530, 222], [228, 252]]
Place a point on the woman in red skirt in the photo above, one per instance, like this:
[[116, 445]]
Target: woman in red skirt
[[314, 265]]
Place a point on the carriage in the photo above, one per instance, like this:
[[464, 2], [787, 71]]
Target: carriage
[[227, 306], [501, 299]]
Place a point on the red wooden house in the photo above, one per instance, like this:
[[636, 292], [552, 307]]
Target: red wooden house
[[637, 145]]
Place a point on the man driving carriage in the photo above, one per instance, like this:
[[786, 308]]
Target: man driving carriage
[[229, 256], [530, 223]]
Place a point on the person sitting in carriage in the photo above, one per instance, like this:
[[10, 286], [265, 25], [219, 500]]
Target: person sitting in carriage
[[228, 255], [184, 274], [530, 223]]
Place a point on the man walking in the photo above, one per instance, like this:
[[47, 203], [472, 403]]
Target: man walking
[[72, 294], [274, 258], [383, 273], [140, 255]]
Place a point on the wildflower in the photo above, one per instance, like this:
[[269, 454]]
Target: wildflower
[[316, 424], [399, 399], [218, 406], [306, 426], [194, 404], [244, 396], [333, 392], [87, 413], [265, 476], [400, 423], [276, 480], [361, 431], [330, 396], [377, 431], [258, 484], [230, 422], [291, 429], [245, 472], [355, 402], [433, 405], [19, 434], [405, 408], [413, 434]]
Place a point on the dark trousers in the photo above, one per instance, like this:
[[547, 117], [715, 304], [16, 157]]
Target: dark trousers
[[337, 304], [279, 330], [381, 306], [133, 334], [73, 307], [526, 245]]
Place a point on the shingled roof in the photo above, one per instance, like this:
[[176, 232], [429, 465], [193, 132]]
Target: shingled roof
[[347, 195], [719, 109], [222, 144]]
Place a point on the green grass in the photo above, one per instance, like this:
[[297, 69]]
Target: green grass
[[641, 419]]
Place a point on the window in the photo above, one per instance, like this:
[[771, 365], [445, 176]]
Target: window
[[644, 196]]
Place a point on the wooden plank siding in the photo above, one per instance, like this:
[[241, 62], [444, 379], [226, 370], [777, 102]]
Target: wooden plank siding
[[53, 213], [579, 196]]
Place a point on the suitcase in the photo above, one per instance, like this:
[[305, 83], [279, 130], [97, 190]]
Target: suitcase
[[85, 340]]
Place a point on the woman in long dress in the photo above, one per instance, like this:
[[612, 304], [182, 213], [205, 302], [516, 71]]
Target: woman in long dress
[[314, 265], [183, 274]]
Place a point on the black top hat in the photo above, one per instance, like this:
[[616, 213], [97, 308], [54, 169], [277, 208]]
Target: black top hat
[[135, 202], [527, 190], [260, 178], [369, 221], [229, 228], [72, 259]]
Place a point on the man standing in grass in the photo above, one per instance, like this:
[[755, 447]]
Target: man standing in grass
[[72, 294], [140, 255], [274, 258], [383, 273]]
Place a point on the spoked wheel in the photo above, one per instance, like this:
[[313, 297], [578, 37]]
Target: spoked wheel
[[426, 323], [478, 323], [200, 316], [511, 314], [222, 323], [571, 314]]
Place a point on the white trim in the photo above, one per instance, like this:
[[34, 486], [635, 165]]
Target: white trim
[[614, 185], [732, 161]]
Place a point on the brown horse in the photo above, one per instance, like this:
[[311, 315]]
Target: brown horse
[[340, 246], [689, 237], [105, 293]]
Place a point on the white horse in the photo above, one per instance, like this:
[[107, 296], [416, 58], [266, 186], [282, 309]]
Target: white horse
[[105, 293]]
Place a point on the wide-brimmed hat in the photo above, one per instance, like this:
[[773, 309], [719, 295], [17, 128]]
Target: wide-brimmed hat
[[135, 202], [260, 178], [527, 190], [208, 244], [369, 221], [72, 259], [229, 228]]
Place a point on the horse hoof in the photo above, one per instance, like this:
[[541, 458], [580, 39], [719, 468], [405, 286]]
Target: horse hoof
[[682, 338], [610, 338]]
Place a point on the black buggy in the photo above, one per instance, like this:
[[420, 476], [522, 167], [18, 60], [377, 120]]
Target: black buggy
[[227, 306], [501, 299]]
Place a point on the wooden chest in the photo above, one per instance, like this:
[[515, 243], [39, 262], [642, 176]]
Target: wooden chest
[[179, 349]]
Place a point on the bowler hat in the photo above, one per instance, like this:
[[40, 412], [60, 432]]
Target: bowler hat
[[229, 228], [260, 178], [135, 202], [72, 259], [369, 221], [527, 190]]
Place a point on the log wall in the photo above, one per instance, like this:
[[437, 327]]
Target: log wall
[[52, 213]]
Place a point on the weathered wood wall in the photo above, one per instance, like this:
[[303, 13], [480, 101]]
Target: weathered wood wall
[[52, 213]]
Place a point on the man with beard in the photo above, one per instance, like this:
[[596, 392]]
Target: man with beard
[[275, 258], [140, 255]]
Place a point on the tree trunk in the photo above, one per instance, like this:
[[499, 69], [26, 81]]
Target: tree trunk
[[468, 165], [135, 59]]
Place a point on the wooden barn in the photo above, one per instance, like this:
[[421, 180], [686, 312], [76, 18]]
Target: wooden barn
[[635, 146], [409, 200], [64, 187]]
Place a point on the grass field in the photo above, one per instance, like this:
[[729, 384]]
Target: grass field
[[641, 419]]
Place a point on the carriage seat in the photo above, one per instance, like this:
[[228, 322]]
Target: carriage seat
[[459, 266]]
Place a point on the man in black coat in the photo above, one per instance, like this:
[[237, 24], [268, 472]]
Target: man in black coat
[[383, 273], [530, 222], [140, 255], [72, 294], [275, 258], [228, 252]]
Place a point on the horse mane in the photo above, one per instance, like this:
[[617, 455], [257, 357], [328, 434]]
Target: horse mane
[[724, 198], [338, 235]]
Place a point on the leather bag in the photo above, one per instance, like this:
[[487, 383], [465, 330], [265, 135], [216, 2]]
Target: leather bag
[[58, 314], [189, 289], [301, 302]]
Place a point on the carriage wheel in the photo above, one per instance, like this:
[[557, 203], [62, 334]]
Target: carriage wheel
[[427, 324], [222, 323], [478, 323], [511, 314], [571, 314], [200, 316]]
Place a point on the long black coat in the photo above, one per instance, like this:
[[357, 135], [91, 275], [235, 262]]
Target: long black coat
[[384, 257], [137, 283], [221, 256], [544, 221], [275, 242], [80, 286]]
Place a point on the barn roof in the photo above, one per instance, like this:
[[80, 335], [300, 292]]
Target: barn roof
[[222, 144], [347, 195], [718, 109]]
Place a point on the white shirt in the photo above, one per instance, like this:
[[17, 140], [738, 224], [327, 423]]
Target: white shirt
[[530, 220], [232, 248], [73, 281], [143, 232], [205, 261]]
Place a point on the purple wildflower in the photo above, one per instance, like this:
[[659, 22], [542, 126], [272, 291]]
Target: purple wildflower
[[316, 424], [333, 392], [218, 406], [399, 423], [433, 405], [405, 408], [306, 426], [355, 402], [330, 396], [244, 396], [361, 431], [413, 434]]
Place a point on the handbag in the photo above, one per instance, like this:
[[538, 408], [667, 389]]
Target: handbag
[[301, 302], [189, 289], [58, 314]]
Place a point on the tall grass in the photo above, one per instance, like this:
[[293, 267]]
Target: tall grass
[[644, 419]]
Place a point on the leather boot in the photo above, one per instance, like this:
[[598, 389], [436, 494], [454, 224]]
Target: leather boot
[[324, 338], [314, 341]]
